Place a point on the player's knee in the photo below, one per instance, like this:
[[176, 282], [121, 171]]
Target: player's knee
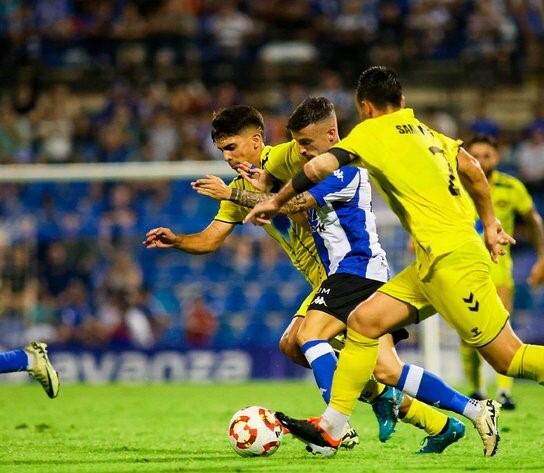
[[501, 366], [368, 328]]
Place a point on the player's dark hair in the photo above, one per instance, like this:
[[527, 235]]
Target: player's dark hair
[[311, 110], [485, 139], [233, 120], [380, 86]]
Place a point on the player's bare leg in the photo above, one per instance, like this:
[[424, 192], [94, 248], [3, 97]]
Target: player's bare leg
[[289, 345], [505, 383]]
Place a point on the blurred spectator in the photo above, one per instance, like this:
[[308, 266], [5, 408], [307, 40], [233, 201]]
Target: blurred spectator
[[11, 137], [121, 322], [390, 35], [441, 121], [332, 87], [18, 284], [531, 159], [75, 315], [154, 310], [537, 122], [163, 139], [55, 273], [123, 276], [200, 324], [482, 123]]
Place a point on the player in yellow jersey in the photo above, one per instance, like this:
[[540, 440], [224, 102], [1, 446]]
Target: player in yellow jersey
[[238, 133], [419, 172], [510, 199], [314, 128]]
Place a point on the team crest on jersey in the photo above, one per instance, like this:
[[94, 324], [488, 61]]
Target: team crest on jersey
[[315, 224], [339, 174]]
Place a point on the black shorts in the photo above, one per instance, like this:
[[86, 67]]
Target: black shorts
[[340, 293]]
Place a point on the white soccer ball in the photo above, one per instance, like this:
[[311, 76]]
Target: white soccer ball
[[255, 431]]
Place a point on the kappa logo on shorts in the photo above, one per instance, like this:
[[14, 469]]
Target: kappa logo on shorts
[[319, 301]]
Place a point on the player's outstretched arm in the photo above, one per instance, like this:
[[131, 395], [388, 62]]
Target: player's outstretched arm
[[313, 172], [214, 187], [475, 182], [206, 241], [536, 230], [250, 199]]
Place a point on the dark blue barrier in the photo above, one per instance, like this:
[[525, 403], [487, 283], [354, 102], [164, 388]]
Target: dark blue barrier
[[173, 365]]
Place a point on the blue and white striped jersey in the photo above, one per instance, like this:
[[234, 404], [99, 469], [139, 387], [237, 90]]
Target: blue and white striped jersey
[[344, 226]]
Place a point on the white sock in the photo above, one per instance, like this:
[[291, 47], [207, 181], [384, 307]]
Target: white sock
[[334, 422], [472, 409], [30, 359]]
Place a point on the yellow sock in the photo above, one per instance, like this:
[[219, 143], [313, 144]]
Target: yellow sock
[[528, 362], [355, 367], [504, 384], [371, 390], [472, 366], [425, 417]]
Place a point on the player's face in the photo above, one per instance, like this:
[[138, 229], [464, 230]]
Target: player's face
[[487, 156], [316, 138], [244, 147]]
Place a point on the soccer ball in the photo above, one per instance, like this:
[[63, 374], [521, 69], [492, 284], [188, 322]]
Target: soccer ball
[[255, 431]]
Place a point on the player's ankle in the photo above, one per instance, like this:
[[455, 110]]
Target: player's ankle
[[333, 422]]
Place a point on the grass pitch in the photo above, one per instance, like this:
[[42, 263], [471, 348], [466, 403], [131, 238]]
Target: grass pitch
[[182, 428]]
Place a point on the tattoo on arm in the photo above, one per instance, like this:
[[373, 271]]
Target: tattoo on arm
[[250, 199], [298, 203], [247, 198]]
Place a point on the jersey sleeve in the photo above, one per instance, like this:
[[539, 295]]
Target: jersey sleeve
[[275, 161], [340, 186], [522, 199], [357, 144], [229, 212]]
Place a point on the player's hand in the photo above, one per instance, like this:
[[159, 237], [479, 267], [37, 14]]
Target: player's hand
[[495, 239], [537, 273], [257, 177], [212, 186], [262, 213], [160, 238]]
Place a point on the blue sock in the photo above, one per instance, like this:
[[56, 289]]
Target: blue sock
[[322, 359], [15, 360], [432, 390]]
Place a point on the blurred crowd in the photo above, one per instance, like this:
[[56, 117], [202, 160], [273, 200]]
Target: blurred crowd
[[72, 267], [502, 36]]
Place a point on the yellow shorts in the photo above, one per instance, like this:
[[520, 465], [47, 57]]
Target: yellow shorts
[[501, 273], [301, 311], [459, 288]]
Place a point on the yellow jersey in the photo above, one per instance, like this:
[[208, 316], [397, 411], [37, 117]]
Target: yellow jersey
[[415, 169], [510, 198], [282, 161], [294, 238]]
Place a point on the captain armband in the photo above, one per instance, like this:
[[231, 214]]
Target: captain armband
[[301, 182], [344, 157]]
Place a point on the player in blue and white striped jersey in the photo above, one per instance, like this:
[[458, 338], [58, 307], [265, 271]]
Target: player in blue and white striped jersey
[[344, 226]]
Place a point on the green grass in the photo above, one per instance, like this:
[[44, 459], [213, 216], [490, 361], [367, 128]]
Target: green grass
[[172, 428]]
